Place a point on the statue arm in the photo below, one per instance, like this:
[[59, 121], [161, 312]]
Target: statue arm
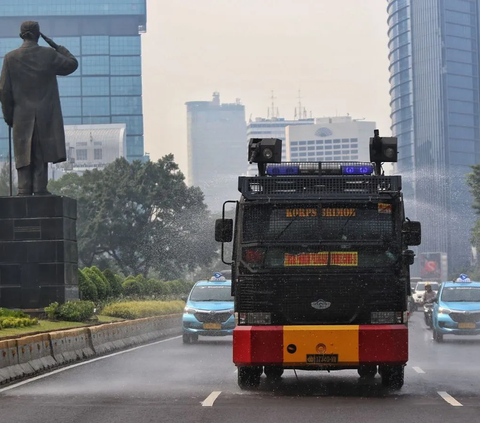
[[65, 62], [6, 94]]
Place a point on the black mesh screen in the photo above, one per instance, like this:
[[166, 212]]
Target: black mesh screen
[[300, 299], [328, 221]]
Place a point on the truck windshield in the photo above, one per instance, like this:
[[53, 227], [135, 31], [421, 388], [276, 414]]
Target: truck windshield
[[326, 222], [328, 235]]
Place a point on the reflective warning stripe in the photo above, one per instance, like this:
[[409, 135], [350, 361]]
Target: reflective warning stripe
[[301, 345]]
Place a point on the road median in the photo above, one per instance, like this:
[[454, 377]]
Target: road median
[[30, 355]]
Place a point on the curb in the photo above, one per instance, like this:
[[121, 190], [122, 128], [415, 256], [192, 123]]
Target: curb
[[30, 355]]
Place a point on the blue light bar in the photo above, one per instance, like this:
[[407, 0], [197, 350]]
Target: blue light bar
[[283, 170], [357, 170]]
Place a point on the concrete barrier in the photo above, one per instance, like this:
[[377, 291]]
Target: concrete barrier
[[9, 367], [71, 345], [29, 355], [35, 353]]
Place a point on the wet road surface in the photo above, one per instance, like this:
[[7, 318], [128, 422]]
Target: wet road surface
[[172, 382]]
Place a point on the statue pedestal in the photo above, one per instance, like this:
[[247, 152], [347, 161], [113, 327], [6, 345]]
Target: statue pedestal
[[38, 251]]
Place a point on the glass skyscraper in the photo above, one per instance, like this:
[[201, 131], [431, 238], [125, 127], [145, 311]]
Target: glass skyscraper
[[105, 38], [434, 75]]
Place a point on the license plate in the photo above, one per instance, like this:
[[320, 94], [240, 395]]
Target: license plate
[[322, 358], [466, 326], [212, 326]]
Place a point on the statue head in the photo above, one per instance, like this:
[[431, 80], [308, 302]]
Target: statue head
[[30, 30]]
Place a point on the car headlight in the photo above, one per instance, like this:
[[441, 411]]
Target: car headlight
[[190, 310], [444, 310]]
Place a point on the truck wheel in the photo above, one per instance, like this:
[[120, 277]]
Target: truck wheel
[[437, 337], [367, 371], [393, 376], [273, 372], [249, 377]]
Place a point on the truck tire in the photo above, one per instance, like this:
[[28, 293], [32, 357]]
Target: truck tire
[[249, 377], [393, 376], [367, 371], [273, 372]]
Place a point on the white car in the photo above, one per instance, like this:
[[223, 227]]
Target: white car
[[420, 291]]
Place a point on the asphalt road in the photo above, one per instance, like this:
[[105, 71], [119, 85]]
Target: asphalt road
[[172, 382]]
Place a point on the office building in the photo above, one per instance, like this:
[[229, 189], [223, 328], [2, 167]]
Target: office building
[[217, 151], [271, 128], [330, 138], [91, 147], [105, 37], [435, 97]]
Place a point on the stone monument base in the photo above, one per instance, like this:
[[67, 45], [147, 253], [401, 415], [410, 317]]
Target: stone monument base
[[38, 251]]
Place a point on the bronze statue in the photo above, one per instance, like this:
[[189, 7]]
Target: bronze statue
[[31, 106]]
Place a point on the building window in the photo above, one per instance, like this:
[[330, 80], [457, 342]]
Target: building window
[[95, 65], [126, 105], [95, 45], [303, 142], [328, 141], [126, 65], [354, 152], [319, 142], [345, 141], [96, 106], [353, 139], [97, 154], [337, 158], [294, 149], [337, 147], [125, 46], [96, 85], [302, 148], [311, 142], [294, 143], [82, 155], [126, 85], [336, 141], [328, 147]]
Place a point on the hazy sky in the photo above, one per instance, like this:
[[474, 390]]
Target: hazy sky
[[334, 51]]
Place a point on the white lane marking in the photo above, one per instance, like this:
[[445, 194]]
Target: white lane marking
[[418, 369], [83, 363], [449, 399], [208, 402]]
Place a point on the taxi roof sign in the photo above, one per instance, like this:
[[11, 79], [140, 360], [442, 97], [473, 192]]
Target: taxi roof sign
[[217, 277], [463, 278]]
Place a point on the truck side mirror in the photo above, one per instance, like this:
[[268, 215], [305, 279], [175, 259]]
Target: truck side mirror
[[224, 230], [412, 232]]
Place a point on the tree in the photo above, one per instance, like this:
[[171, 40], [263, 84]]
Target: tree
[[473, 181], [141, 216]]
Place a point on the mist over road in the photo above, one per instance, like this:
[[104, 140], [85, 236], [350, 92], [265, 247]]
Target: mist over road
[[172, 382]]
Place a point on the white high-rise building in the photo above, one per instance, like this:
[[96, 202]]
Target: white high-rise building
[[91, 146], [330, 139]]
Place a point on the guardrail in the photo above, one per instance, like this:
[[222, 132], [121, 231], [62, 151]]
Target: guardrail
[[30, 355]]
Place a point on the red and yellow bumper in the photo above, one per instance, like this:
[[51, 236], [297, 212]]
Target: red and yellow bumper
[[303, 346]]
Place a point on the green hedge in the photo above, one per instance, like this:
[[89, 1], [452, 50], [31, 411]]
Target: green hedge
[[139, 309], [71, 311], [15, 319]]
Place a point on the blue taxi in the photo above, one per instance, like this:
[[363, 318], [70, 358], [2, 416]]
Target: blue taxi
[[209, 309], [457, 309]]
